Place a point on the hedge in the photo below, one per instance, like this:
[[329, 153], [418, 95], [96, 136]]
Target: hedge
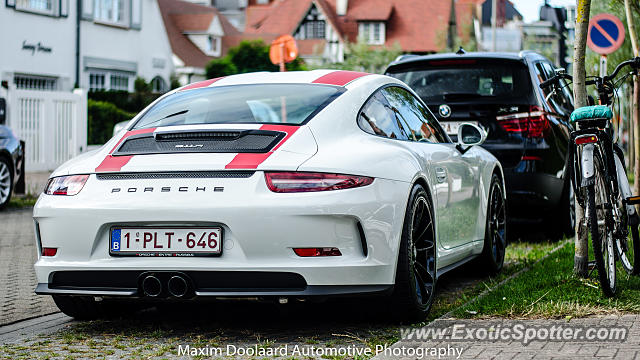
[[102, 117]]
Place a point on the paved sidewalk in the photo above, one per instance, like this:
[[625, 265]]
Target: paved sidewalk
[[17, 277], [515, 349]]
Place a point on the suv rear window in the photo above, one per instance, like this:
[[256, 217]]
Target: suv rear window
[[466, 80], [289, 104]]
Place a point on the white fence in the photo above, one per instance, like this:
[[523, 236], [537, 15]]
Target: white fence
[[53, 124]]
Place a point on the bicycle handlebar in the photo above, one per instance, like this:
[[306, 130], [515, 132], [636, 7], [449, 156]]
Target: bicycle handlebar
[[634, 63]]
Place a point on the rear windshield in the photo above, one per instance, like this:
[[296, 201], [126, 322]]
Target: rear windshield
[[468, 80], [247, 104]]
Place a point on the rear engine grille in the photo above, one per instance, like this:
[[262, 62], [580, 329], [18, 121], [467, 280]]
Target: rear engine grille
[[249, 141], [178, 175]]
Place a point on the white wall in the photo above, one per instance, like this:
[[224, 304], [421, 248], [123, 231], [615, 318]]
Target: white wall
[[144, 47], [57, 33]]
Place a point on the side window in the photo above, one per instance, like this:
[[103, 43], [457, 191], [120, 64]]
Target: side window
[[377, 118], [561, 100], [414, 116]]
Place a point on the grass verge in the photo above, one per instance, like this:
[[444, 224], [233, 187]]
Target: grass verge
[[549, 290], [22, 201]]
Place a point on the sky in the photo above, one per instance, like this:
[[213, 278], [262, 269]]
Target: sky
[[530, 9]]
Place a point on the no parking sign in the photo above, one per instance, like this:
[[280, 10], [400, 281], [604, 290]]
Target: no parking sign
[[606, 34]]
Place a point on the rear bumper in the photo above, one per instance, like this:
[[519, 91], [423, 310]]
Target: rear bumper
[[260, 230], [307, 291], [531, 196]]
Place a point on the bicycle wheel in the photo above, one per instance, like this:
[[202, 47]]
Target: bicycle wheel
[[629, 251], [601, 234]]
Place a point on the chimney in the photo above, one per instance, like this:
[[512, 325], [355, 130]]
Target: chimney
[[341, 7]]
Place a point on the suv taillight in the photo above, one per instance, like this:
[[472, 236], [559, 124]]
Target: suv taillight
[[532, 124]]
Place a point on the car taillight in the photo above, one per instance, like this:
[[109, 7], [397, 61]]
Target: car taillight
[[66, 185], [589, 139], [313, 252], [532, 124], [49, 251], [291, 182]]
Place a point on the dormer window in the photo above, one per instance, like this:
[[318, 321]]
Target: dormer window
[[372, 32], [213, 45], [313, 26]]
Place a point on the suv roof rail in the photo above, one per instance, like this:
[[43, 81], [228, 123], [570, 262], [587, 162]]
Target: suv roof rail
[[404, 57]]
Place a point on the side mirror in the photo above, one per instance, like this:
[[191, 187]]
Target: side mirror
[[470, 135], [3, 111]]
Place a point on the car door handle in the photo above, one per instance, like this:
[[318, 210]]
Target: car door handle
[[441, 175]]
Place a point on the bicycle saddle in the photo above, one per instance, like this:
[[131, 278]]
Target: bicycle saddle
[[596, 112]]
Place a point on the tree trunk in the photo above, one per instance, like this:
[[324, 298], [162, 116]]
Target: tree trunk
[[635, 113], [581, 257]]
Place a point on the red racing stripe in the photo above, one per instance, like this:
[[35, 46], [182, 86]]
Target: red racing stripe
[[340, 78], [115, 163], [251, 160], [200, 84]]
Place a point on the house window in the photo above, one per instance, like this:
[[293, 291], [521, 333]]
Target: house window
[[41, 6], [312, 27], [96, 82], [111, 11], [372, 32], [213, 45], [158, 85], [119, 82], [30, 82]]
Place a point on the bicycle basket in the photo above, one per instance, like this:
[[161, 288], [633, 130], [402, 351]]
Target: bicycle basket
[[592, 116]]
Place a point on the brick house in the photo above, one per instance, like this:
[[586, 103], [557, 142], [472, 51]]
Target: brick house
[[322, 27]]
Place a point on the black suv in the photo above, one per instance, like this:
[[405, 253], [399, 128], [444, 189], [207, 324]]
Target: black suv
[[527, 129]]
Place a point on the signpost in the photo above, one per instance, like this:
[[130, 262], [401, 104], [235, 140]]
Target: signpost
[[606, 35], [283, 50]]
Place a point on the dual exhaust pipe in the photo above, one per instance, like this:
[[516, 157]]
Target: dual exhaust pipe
[[177, 286]]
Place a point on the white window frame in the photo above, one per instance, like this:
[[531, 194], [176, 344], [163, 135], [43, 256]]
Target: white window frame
[[158, 85], [110, 80], [35, 82], [367, 33], [112, 9], [213, 44], [31, 6], [93, 84], [116, 79]]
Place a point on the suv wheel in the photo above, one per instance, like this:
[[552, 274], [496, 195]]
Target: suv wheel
[[6, 182]]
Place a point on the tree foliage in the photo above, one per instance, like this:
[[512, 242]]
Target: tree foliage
[[248, 56], [361, 56]]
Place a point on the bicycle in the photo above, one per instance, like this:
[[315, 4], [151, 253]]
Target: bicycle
[[600, 180]]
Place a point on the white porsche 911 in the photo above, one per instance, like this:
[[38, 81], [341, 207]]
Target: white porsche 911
[[274, 186]]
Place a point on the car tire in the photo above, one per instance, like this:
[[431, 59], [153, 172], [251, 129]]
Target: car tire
[[495, 235], [415, 284], [79, 307], [6, 182], [563, 220]]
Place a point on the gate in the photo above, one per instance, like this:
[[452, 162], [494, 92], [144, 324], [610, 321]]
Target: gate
[[53, 125]]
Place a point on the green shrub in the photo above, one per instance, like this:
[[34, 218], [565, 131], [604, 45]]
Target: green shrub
[[248, 56], [102, 117]]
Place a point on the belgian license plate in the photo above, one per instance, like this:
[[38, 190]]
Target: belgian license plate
[[170, 241], [451, 127]]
